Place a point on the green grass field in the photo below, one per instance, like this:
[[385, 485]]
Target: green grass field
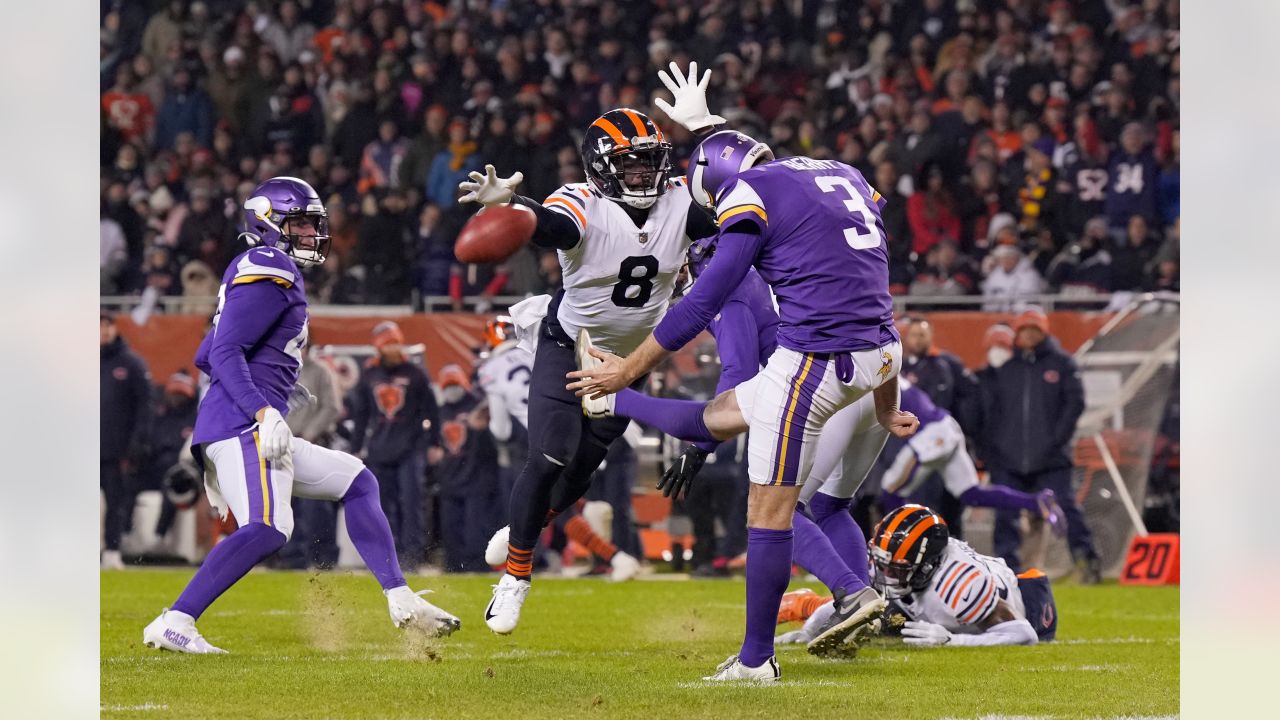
[[322, 646]]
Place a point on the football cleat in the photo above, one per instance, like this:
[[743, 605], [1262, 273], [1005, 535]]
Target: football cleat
[[1052, 512], [793, 606], [732, 670], [600, 407], [1090, 570], [623, 567], [111, 560], [495, 553], [503, 613], [176, 631], [409, 610], [851, 613]]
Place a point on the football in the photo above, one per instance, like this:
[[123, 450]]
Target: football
[[495, 234]]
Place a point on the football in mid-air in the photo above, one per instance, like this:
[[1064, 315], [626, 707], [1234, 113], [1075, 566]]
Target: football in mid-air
[[495, 234]]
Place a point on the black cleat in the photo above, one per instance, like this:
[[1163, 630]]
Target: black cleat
[[852, 614]]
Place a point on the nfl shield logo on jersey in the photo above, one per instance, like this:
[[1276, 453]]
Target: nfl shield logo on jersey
[[644, 236]]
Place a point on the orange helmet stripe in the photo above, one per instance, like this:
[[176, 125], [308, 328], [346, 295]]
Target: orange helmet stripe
[[635, 120], [902, 514], [612, 130], [916, 531]]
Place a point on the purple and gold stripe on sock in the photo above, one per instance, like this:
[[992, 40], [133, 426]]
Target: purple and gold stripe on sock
[[257, 480], [795, 415]]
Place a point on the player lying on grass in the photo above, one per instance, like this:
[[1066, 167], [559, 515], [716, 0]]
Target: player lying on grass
[[811, 229], [621, 238], [252, 463], [938, 447], [942, 591]]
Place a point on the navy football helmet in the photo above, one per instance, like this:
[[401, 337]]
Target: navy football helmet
[[906, 548], [627, 158]]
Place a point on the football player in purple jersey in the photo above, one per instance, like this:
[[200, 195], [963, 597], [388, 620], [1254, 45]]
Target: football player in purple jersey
[[251, 461], [812, 230]]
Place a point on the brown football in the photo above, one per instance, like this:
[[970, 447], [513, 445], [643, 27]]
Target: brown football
[[495, 234]]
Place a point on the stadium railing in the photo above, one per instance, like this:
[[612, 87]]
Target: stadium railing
[[477, 304]]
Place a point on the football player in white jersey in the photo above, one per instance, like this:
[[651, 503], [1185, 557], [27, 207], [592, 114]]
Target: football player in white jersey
[[621, 238], [504, 377], [947, 593]]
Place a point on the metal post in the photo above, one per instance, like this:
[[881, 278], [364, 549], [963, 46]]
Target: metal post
[[1123, 490]]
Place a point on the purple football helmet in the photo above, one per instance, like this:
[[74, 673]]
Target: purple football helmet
[[719, 159], [280, 212]]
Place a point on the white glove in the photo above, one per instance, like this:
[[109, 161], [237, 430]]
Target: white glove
[[690, 108], [274, 435], [489, 189], [924, 634]]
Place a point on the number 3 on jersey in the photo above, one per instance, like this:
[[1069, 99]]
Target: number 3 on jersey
[[864, 235], [635, 281]]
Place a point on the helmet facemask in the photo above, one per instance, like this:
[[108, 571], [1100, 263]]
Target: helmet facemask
[[305, 235], [899, 578], [636, 175]]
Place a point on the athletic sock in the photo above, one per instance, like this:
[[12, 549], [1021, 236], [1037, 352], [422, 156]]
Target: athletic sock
[[678, 418], [768, 573], [832, 515], [227, 562], [579, 531], [814, 552], [370, 532], [999, 496], [519, 562]]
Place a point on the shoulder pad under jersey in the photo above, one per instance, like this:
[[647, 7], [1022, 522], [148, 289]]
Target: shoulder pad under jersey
[[571, 201], [267, 264], [741, 202], [967, 591]]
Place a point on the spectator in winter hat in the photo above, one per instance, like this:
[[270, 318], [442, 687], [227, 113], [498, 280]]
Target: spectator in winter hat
[[1031, 404], [1010, 280]]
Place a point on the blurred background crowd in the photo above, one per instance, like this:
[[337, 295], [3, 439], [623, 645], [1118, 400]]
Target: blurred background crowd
[[1025, 146]]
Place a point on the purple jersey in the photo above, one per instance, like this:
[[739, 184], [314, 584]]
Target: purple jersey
[[917, 402], [824, 252], [812, 229], [254, 351]]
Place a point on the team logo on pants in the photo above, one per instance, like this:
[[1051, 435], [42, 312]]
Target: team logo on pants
[[886, 365]]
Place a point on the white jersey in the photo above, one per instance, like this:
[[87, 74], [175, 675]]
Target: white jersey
[[619, 278], [504, 377], [965, 590]]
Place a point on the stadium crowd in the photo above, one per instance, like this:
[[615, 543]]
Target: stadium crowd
[[1024, 146]]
